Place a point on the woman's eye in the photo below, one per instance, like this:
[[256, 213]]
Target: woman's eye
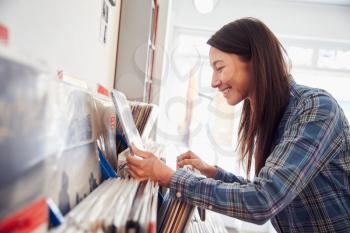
[[219, 69]]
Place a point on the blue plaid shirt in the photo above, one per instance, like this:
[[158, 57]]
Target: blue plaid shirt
[[305, 183]]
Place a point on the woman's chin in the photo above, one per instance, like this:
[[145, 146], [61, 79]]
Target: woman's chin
[[234, 100]]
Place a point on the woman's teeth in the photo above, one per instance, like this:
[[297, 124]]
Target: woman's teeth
[[226, 91]]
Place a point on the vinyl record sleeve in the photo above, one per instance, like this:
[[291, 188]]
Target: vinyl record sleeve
[[125, 117]]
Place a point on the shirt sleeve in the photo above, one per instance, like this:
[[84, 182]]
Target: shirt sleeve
[[306, 146], [228, 177]]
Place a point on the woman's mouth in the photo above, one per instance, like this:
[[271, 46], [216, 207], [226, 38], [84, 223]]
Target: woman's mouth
[[226, 91]]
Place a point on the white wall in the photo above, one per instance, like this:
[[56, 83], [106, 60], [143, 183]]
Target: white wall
[[162, 39], [65, 34], [134, 39]]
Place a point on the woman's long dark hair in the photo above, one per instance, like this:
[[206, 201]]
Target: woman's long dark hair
[[253, 41]]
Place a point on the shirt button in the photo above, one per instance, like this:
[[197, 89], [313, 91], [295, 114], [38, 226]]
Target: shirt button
[[178, 194], [210, 207]]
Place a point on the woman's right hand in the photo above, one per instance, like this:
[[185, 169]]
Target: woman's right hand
[[189, 158]]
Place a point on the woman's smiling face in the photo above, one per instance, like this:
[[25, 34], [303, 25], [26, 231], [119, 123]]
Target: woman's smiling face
[[231, 75]]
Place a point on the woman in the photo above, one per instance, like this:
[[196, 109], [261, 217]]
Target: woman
[[297, 136]]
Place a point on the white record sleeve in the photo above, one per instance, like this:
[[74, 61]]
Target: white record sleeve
[[125, 117]]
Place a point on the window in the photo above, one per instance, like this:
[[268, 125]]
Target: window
[[323, 64], [195, 116]]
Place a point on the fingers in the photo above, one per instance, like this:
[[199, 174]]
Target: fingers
[[187, 155], [184, 156], [134, 169], [193, 162], [134, 161], [136, 173], [135, 176], [132, 174], [141, 153]]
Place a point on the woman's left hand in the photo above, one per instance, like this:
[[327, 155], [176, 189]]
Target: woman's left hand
[[150, 167]]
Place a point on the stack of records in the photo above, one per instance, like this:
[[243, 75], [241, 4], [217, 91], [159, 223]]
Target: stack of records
[[106, 122], [144, 116], [117, 205], [174, 216], [111, 134], [212, 224]]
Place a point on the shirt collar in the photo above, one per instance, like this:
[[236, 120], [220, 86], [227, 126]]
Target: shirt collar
[[292, 84]]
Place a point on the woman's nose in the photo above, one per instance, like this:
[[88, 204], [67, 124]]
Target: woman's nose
[[215, 82]]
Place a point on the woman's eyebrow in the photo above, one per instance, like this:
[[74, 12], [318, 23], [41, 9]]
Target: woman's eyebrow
[[215, 62]]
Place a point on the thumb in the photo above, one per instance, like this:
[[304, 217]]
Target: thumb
[[137, 151]]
